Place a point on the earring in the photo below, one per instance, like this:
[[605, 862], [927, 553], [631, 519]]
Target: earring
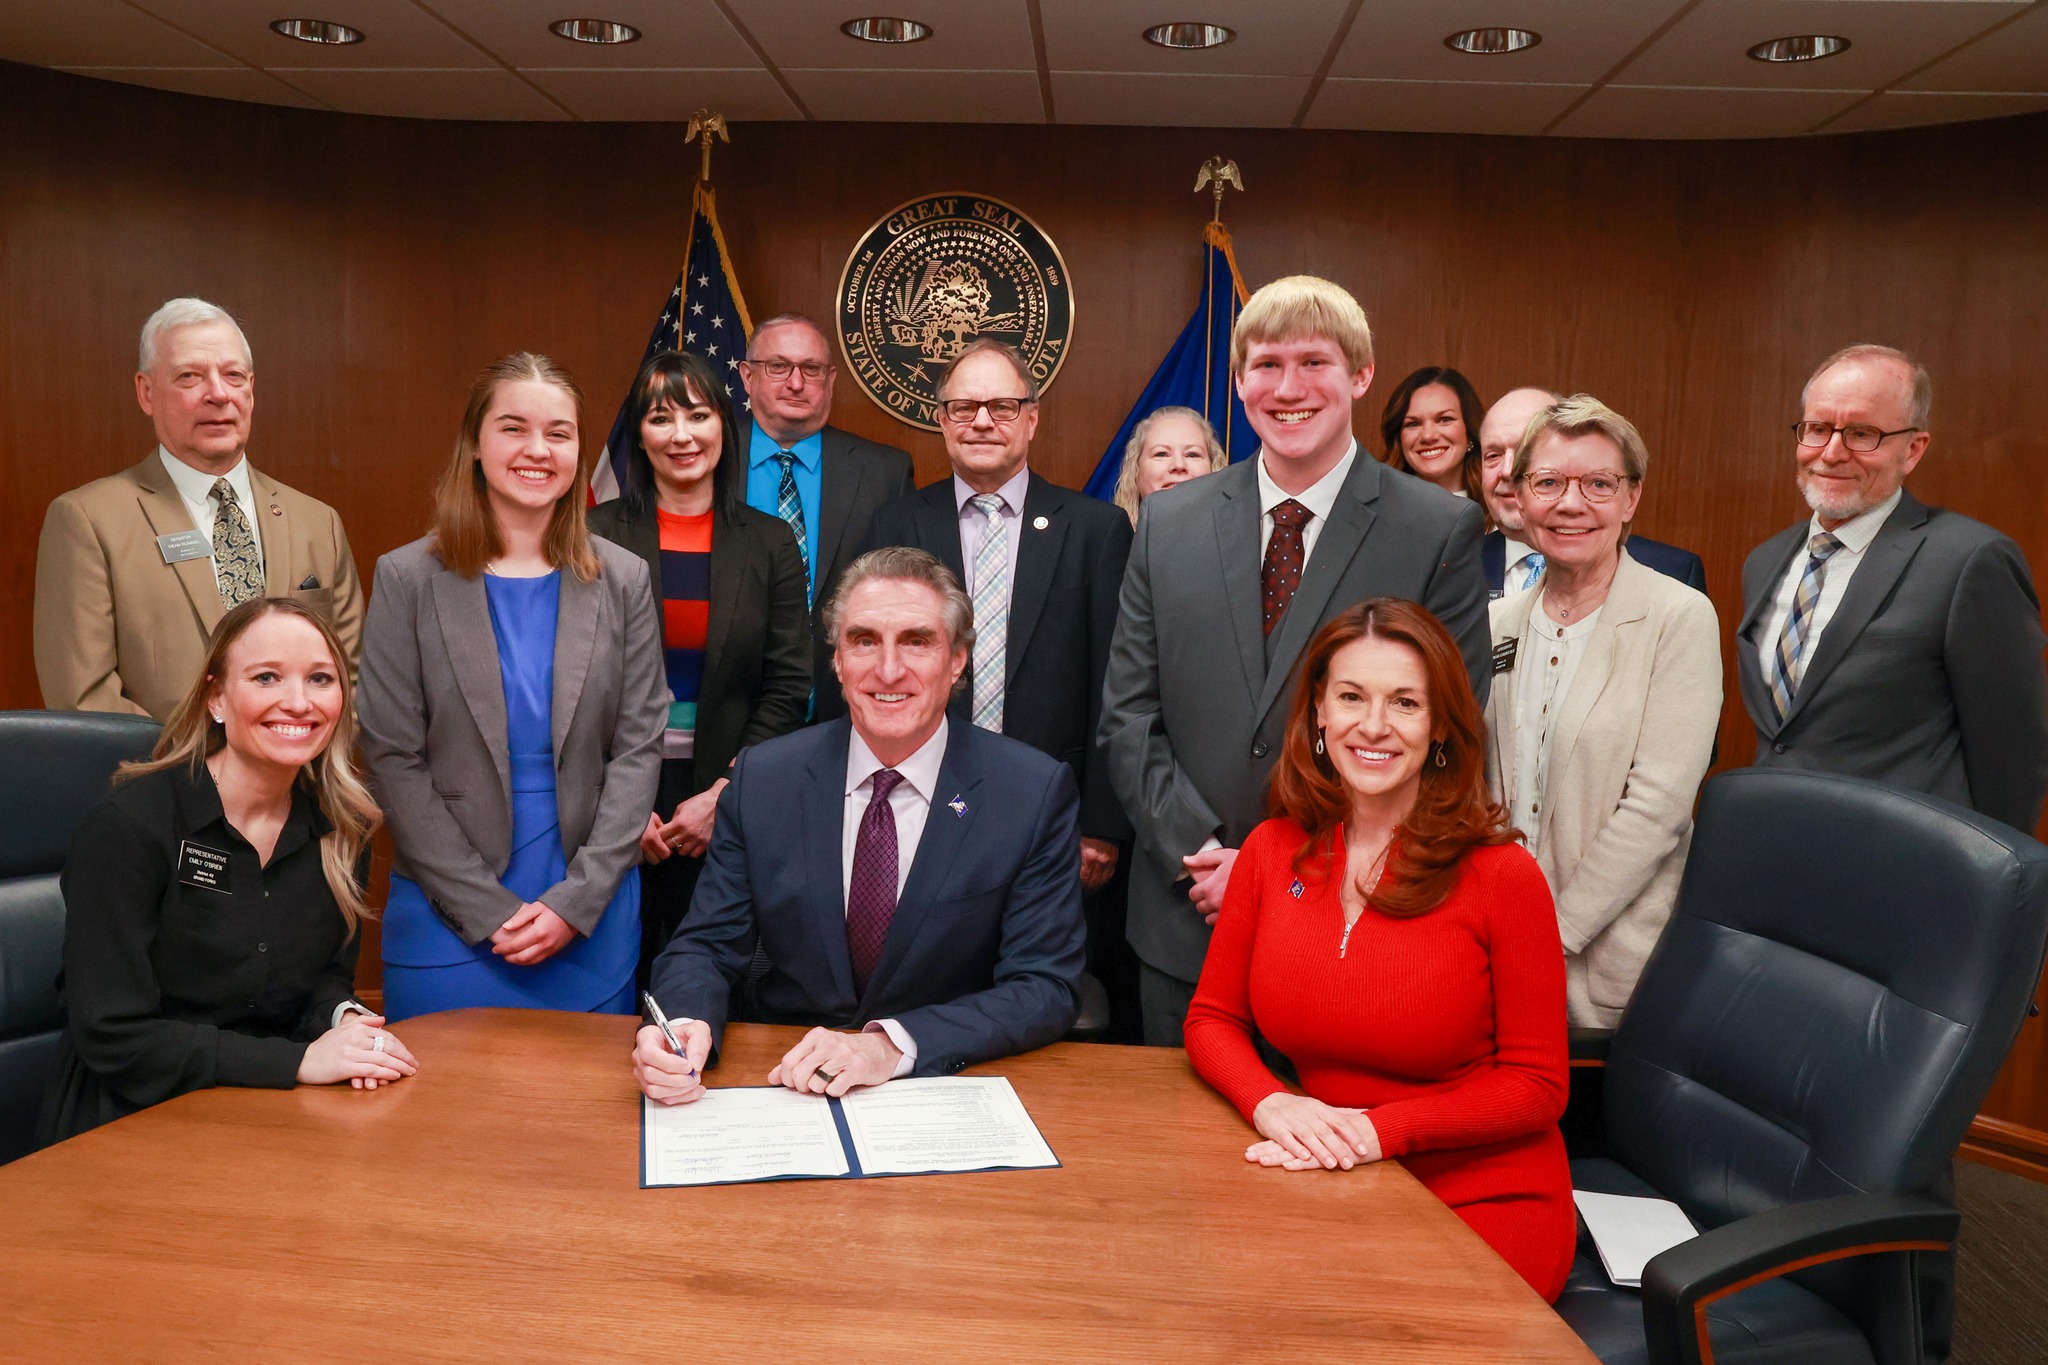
[[1440, 760], [1319, 742], [216, 718]]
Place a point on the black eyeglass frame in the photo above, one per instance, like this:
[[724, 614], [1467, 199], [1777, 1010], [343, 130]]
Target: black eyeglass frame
[[944, 407], [1833, 431]]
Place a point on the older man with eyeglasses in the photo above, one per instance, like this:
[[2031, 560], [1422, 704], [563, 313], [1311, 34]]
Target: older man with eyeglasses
[[1043, 565], [826, 483], [1883, 638]]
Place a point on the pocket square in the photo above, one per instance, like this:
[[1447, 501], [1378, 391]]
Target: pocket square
[[312, 581]]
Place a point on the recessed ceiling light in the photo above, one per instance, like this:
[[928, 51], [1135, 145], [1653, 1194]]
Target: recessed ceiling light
[[1487, 42], [604, 32], [316, 31], [879, 30], [1807, 48], [1189, 35]]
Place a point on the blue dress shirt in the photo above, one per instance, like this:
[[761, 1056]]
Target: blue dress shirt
[[764, 486]]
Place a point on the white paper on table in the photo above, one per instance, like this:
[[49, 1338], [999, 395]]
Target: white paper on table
[[942, 1123], [739, 1133], [1630, 1231]]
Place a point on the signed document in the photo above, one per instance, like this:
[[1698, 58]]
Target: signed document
[[943, 1123], [920, 1126]]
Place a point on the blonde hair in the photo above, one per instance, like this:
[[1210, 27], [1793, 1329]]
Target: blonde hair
[[1127, 477], [191, 736], [1584, 415], [466, 535], [1297, 307]]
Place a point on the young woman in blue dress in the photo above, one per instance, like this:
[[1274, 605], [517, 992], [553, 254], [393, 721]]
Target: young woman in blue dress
[[513, 702]]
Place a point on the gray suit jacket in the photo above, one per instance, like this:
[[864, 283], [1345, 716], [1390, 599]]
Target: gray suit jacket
[[1193, 706], [1929, 675], [432, 706]]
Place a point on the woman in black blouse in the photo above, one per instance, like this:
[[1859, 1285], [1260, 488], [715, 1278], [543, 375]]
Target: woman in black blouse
[[212, 900]]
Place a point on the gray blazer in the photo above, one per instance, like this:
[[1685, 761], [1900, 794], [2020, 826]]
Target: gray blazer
[[1196, 696], [1614, 821], [1929, 675], [432, 707]]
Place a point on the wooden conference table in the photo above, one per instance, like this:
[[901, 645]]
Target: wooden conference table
[[489, 1209]]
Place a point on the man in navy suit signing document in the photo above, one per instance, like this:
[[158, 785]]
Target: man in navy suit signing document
[[913, 883]]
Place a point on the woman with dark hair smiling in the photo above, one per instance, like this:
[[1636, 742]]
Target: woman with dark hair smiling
[[729, 591], [1387, 934], [1430, 429]]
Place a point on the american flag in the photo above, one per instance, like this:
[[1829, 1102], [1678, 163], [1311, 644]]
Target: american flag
[[704, 313]]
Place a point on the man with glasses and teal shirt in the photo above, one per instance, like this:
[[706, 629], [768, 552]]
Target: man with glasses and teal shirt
[[1883, 638], [826, 483], [1043, 565]]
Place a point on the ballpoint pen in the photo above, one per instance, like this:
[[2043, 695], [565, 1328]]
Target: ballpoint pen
[[661, 1022]]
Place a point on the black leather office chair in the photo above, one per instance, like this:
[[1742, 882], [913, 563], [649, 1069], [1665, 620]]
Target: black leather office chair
[[1844, 973], [54, 767]]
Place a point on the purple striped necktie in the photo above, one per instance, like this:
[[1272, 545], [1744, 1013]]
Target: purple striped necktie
[[871, 894]]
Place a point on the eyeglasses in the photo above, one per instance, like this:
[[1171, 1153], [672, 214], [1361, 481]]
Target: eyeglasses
[[962, 411], [1547, 485], [1859, 437], [779, 369]]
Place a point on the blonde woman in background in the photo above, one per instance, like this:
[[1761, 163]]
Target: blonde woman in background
[[1171, 445], [212, 902]]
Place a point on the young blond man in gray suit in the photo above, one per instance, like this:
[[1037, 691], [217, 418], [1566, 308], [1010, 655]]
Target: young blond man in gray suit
[[1228, 580]]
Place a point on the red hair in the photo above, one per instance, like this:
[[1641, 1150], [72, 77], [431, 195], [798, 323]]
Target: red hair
[[1453, 812]]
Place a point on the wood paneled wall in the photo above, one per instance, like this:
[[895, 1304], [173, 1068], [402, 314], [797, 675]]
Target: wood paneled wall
[[377, 264]]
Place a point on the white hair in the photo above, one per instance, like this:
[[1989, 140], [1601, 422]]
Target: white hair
[[183, 313]]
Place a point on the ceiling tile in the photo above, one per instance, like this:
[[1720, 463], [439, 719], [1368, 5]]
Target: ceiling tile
[[1148, 100], [1582, 39], [426, 94], [1273, 39], [921, 96], [70, 33], [967, 35], [1912, 109], [227, 83], [396, 33], [1664, 111], [1439, 106], [674, 34], [1887, 39], [2014, 58], [658, 96]]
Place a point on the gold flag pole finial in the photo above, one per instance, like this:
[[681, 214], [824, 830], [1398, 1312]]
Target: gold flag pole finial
[[709, 125], [1216, 175]]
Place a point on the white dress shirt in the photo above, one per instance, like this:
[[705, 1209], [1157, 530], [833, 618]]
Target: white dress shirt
[[1319, 497], [1549, 661], [910, 801], [974, 526], [1512, 570], [196, 491], [1855, 535]]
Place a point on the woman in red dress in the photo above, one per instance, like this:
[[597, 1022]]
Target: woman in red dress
[[1388, 935]]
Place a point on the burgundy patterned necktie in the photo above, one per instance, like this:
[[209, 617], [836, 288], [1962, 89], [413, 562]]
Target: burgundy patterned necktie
[[1284, 558], [871, 895]]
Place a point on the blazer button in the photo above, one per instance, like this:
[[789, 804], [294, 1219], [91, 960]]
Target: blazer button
[[1779, 747], [1259, 748], [263, 947]]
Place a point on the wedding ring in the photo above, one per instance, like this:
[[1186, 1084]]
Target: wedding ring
[[377, 1043], [676, 845]]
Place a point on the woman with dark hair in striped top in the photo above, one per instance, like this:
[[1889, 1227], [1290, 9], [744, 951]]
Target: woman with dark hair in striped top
[[730, 592]]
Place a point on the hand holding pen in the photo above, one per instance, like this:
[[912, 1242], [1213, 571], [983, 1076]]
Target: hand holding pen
[[668, 1058]]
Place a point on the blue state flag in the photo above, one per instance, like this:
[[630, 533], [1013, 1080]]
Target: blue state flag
[[705, 313], [1196, 371]]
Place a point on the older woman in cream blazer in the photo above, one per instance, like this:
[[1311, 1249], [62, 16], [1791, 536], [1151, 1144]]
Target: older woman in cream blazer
[[1604, 704]]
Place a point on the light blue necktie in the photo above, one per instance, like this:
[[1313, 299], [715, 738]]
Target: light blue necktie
[[1532, 569], [790, 507], [991, 612]]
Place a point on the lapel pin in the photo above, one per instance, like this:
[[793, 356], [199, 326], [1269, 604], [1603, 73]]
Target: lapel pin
[[957, 806], [1296, 889], [275, 510], [1040, 523]]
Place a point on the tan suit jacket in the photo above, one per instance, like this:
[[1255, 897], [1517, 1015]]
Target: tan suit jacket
[[117, 629], [1632, 745]]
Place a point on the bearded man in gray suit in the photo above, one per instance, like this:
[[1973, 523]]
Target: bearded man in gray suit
[[1883, 638], [1229, 579]]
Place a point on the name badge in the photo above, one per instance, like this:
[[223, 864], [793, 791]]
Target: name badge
[[180, 546], [201, 866], [1504, 655]]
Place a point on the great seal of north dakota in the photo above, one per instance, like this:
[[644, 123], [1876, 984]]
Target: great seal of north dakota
[[936, 273]]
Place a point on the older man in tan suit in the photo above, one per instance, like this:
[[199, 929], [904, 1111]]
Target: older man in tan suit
[[135, 569]]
